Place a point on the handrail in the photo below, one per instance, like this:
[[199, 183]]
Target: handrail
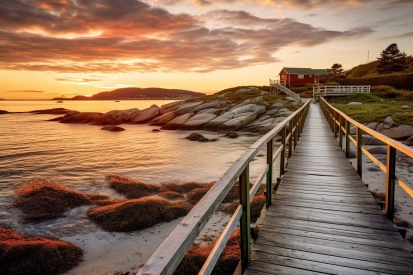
[[338, 119], [340, 89], [277, 85], [168, 256]]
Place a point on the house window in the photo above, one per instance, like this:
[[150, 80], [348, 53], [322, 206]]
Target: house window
[[282, 76], [300, 76], [310, 75]]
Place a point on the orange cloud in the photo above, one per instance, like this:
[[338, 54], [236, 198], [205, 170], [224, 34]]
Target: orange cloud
[[130, 35]]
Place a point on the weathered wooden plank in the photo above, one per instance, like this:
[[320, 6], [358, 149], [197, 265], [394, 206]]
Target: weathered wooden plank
[[333, 229], [337, 248], [268, 268], [346, 218], [330, 206], [309, 265], [394, 244], [334, 261]]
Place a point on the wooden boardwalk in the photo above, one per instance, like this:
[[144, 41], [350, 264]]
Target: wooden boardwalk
[[323, 219]]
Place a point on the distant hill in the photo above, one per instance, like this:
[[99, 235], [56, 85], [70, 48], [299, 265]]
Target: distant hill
[[140, 93]]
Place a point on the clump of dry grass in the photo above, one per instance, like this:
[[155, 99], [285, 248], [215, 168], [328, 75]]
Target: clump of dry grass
[[135, 189], [256, 204], [41, 199], [137, 213], [196, 195], [20, 254], [170, 195], [197, 254], [130, 188]]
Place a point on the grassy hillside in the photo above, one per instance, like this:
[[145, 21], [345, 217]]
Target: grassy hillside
[[374, 108]]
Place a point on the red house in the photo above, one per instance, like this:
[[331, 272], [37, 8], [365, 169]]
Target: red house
[[292, 76]]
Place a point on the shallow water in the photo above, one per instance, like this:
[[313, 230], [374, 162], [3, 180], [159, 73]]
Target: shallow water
[[80, 155]]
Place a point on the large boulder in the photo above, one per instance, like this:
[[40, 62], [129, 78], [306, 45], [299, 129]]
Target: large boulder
[[147, 115], [238, 122], [283, 112], [197, 121], [207, 105], [177, 122], [263, 125], [277, 105], [400, 132], [112, 128], [235, 118], [216, 122], [173, 106], [187, 107], [211, 111], [117, 117], [84, 117], [163, 119]]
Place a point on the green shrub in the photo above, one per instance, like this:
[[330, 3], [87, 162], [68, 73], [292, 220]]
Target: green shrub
[[398, 81]]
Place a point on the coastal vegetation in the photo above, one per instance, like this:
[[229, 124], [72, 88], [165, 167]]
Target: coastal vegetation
[[376, 108], [144, 206], [42, 199], [22, 254]]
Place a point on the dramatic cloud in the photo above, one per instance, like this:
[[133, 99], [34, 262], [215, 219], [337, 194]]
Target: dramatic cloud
[[130, 35], [301, 4]]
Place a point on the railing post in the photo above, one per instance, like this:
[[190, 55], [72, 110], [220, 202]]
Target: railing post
[[358, 151], [347, 139], [290, 139], [340, 131], [390, 181], [282, 157], [295, 132], [244, 187], [268, 189], [335, 124]]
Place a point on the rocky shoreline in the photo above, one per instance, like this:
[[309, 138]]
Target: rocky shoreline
[[246, 109]]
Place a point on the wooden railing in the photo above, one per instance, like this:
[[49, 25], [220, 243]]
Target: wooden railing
[[168, 256], [340, 125], [276, 85], [340, 90]]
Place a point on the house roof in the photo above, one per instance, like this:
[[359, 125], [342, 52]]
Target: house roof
[[305, 71]]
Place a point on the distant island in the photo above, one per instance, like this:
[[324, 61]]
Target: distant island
[[138, 93]]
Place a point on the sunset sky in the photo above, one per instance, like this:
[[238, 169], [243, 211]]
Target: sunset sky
[[82, 47]]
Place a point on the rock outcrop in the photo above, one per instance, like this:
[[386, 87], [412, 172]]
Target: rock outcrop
[[248, 109], [113, 128]]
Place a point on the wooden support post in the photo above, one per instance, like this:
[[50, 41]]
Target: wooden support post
[[290, 140], [358, 152], [244, 186], [390, 181], [347, 139], [268, 194], [334, 124], [282, 157], [340, 131], [295, 132]]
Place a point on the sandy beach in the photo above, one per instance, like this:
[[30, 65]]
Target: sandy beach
[[119, 253]]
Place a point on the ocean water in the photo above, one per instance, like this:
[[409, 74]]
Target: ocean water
[[80, 155]]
